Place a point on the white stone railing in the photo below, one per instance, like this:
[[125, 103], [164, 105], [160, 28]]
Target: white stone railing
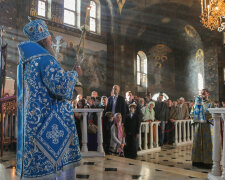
[[149, 145], [218, 114], [183, 132], [84, 150]]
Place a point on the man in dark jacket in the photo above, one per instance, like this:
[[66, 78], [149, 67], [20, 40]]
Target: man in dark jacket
[[172, 117], [161, 114], [116, 103], [131, 126]]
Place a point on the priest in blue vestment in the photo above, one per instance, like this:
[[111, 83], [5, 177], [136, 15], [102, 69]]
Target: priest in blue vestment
[[47, 144]]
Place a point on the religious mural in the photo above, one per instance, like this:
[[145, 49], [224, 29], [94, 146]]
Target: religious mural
[[160, 60], [93, 65], [190, 31], [120, 4], [196, 59]]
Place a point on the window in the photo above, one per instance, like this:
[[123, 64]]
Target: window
[[94, 21], [42, 8], [142, 69], [70, 12], [200, 82], [93, 16]]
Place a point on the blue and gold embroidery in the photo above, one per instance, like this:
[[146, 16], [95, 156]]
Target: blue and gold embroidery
[[43, 86]]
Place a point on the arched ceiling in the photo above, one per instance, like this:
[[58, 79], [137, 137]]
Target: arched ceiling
[[147, 3]]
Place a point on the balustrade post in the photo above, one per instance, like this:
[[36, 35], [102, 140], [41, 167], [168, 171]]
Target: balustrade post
[[192, 132], [139, 139], [184, 132], [146, 137], [151, 135], [6, 134], [84, 133], [188, 130], [179, 122], [223, 157], [176, 133], [100, 140], [157, 135], [216, 171]]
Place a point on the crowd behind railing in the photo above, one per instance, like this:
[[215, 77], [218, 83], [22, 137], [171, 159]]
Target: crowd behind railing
[[134, 120], [123, 122]]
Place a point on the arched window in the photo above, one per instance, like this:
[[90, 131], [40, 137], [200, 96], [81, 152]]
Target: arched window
[[95, 14], [72, 12], [155, 97], [200, 82], [42, 8], [142, 69]]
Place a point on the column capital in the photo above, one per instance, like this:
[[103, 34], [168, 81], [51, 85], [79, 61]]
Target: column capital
[[216, 116], [216, 112], [223, 116]]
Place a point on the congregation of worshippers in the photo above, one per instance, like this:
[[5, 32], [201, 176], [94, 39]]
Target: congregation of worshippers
[[123, 115]]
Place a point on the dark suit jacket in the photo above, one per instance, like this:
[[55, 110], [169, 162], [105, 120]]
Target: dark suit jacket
[[120, 106], [132, 125], [161, 111]]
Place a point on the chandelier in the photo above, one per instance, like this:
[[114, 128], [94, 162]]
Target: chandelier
[[213, 14]]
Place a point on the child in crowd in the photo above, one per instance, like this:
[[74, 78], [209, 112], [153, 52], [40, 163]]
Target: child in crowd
[[98, 102], [107, 124], [117, 141], [131, 125]]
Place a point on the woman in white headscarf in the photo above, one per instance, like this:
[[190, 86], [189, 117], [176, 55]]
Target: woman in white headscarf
[[149, 116]]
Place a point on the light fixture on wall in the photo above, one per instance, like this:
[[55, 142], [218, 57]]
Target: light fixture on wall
[[213, 14]]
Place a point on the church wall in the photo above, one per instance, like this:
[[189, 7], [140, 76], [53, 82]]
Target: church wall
[[190, 49], [13, 15], [111, 57]]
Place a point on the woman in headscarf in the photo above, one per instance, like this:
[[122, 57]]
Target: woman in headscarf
[[117, 141], [149, 116]]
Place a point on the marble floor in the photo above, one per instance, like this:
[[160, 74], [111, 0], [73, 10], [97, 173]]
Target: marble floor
[[171, 163], [173, 156]]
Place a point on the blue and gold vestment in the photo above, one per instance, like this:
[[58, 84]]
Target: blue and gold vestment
[[47, 137]]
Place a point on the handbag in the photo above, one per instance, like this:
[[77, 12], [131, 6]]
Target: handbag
[[92, 128]]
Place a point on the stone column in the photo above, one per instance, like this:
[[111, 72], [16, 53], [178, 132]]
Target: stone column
[[100, 141], [84, 133], [216, 156]]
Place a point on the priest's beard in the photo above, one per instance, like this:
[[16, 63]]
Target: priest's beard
[[47, 46]]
